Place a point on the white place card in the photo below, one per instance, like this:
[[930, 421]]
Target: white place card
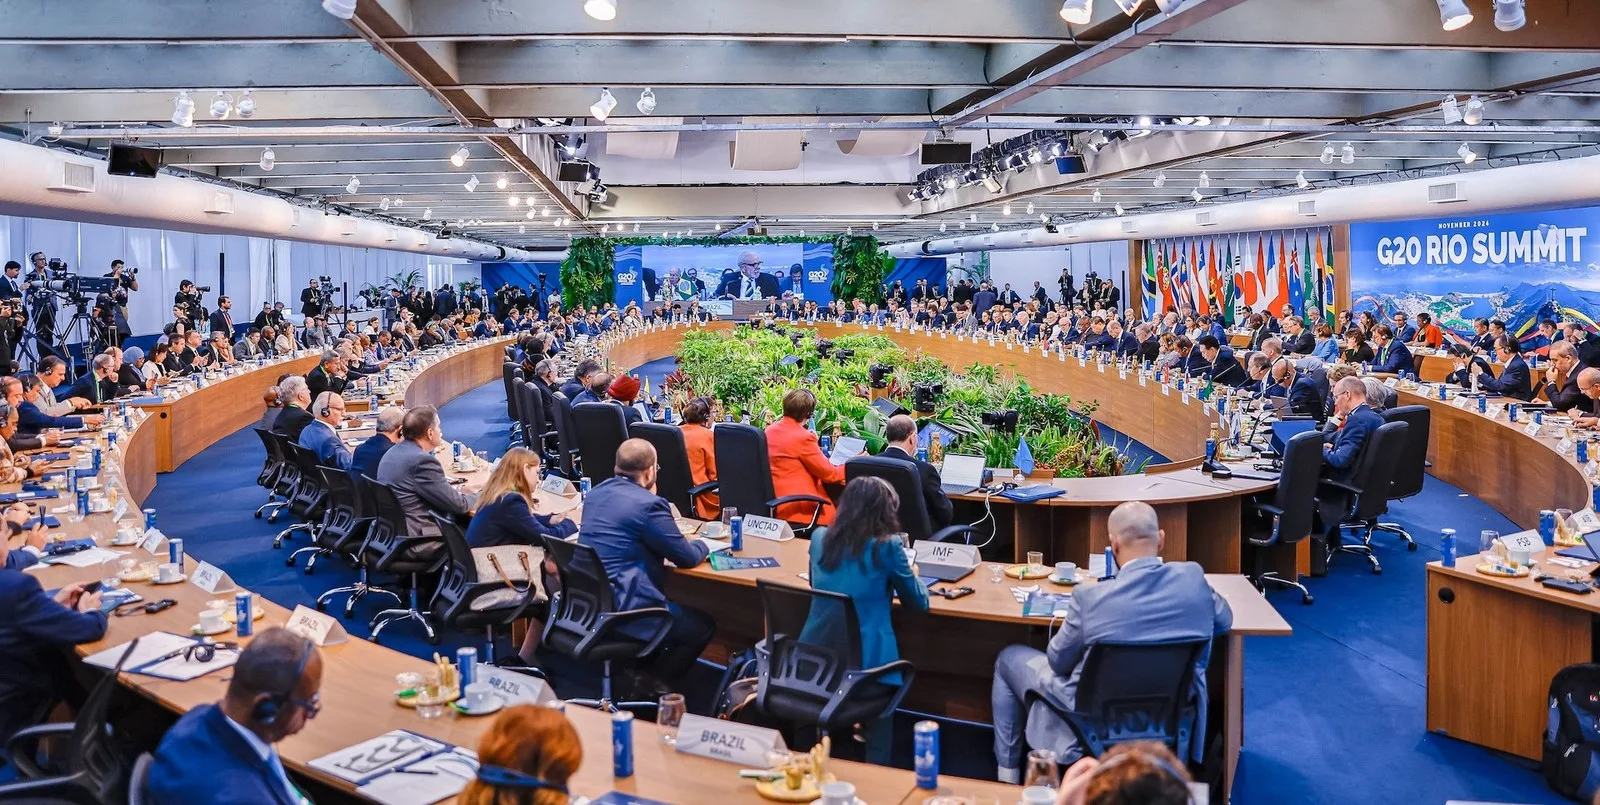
[[730, 741], [944, 560], [1185, 397], [211, 578], [961, 336], [1141, 380], [556, 485], [1532, 429], [767, 528], [1529, 541], [1564, 446], [1393, 383], [1100, 367], [1166, 390], [154, 542], [1122, 374], [1024, 347], [1494, 411], [320, 629], [1008, 345], [1081, 362], [1061, 357], [1585, 521], [515, 688], [1461, 401], [942, 335], [120, 511]]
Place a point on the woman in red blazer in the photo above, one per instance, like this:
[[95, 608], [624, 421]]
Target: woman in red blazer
[[799, 466]]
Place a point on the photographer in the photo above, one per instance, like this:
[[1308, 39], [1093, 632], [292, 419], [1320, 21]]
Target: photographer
[[313, 300], [188, 298], [12, 319], [127, 282], [41, 303]]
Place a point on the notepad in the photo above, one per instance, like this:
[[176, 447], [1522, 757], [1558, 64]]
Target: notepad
[[1028, 494], [846, 448], [724, 561], [1045, 605]]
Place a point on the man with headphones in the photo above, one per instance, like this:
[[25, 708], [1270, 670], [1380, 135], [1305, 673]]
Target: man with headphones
[[223, 753], [321, 434]]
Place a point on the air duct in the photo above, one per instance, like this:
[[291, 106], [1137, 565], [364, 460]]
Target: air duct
[[188, 205], [1556, 183]]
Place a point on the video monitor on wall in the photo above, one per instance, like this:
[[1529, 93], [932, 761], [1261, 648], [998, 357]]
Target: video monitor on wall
[[789, 271]]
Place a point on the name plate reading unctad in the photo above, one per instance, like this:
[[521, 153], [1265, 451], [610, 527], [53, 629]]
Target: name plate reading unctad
[[767, 528], [320, 629], [728, 741]]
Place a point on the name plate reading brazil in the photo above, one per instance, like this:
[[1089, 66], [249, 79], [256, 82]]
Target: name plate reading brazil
[[320, 629], [515, 688], [728, 741]]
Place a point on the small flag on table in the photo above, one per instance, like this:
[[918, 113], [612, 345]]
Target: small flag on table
[[1024, 457]]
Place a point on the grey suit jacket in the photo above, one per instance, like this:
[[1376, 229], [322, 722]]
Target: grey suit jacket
[[1148, 601], [418, 481]]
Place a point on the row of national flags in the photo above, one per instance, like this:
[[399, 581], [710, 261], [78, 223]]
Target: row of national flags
[[1220, 274]]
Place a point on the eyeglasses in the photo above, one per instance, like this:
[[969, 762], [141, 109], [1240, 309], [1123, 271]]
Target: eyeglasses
[[311, 706]]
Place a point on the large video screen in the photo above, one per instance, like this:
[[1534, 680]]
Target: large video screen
[[681, 273]]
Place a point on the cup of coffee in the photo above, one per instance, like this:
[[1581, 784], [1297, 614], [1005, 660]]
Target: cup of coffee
[[476, 695], [1066, 570], [168, 572], [211, 621], [713, 530], [838, 793]]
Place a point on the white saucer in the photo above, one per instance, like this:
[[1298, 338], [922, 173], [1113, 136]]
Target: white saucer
[[182, 577], [492, 706], [195, 629], [123, 544], [1064, 582]]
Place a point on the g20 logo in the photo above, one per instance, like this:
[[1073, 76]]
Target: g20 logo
[[817, 275], [627, 278]]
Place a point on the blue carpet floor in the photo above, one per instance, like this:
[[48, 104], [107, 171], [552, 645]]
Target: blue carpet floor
[[1333, 714]]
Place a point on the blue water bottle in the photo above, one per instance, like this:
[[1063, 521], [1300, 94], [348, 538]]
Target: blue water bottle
[[736, 532], [1111, 564], [175, 551], [1547, 526], [1447, 547], [1483, 404], [83, 503], [925, 754], [467, 665], [94, 456], [1511, 412], [622, 744], [583, 487], [243, 613], [1582, 446], [922, 453], [149, 519], [1211, 450]]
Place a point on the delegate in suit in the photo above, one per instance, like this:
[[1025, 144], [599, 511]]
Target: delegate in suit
[[224, 753], [748, 282], [1392, 356], [417, 477], [632, 531], [1515, 380], [901, 433], [34, 633], [1148, 601]]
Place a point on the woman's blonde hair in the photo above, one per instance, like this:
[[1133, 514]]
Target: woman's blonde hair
[[508, 476]]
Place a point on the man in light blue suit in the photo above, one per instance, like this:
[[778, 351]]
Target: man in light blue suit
[[1148, 601]]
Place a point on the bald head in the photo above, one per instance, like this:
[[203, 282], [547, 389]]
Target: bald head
[[1135, 531], [636, 458], [390, 419], [1589, 382]]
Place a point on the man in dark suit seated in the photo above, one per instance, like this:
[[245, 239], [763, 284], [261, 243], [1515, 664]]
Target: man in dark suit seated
[[749, 282], [632, 531], [1221, 366], [329, 375], [1588, 343], [1149, 342], [321, 434], [901, 434], [1391, 356], [599, 384], [1123, 342], [1482, 338], [417, 476], [224, 752], [100, 383], [1514, 381], [370, 452], [1353, 423], [1297, 340], [31, 419], [1561, 385], [580, 378], [295, 415], [36, 635], [1281, 380]]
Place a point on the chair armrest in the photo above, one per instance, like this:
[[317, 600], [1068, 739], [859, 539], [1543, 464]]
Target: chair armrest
[[701, 489], [1075, 721], [1267, 508], [24, 744], [616, 621], [855, 679], [948, 533], [776, 502], [73, 788], [1340, 485]]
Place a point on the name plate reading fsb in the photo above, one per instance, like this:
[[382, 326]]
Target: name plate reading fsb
[[945, 561], [728, 741]]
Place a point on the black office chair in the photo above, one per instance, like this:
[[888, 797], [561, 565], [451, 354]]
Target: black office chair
[[396, 552], [673, 480], [342, 529], [1127, 692], [585, 625], [534, 421], [510, 373], [812, 675], [139, 778], [570, 462], [1374, 469], [907, 482], [466, 604], [272, 471], [365, 509], [90, 768], [1413, 467], [600, 429], [309, 493], [1288, 516], [744, 474]]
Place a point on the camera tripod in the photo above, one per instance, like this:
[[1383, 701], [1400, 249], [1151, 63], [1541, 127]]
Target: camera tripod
[[92, 338]]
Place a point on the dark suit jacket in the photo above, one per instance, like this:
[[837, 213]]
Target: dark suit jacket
[[1127, 345], [1565, 398], [766, 285], [308, 303], [1304, 397], [1484, 342], [32, 420], [222, 322], [940, 509], [291, 421], [203, 760], [509, 521], [94, 389], [1225, 370], [1393, 358], [1513, 380], [419, 483], [632, 531], [364, 461], [1348, 441], [1303, 344], [318, 381], [33, 634]]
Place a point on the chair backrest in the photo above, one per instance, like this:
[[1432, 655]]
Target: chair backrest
[[269, 440], [1409, 473], [455, 543], [136, 780], [1137, 691], [1297, 488], [813, 639], [902, 475], [566, 438], [744, 472], [600, 428], [531, 413], [1377, 466], [585, 593], [507, 378], [389, 516], [341, 518], [673, 479]]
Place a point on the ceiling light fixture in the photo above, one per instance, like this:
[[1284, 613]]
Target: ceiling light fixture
[[1468, 156], [459, 158], [512, 201], [427, 214], [1510, 15], [544, 212], [961, 225], [1030, 208], [943, 226], [1450, 110], [1454, 14], [221, 105], [1161, 179], [1347, 155], [602, 108], [1077, 12], [1129, 6], [1472, 113], [269, 158], [1096, 197], [501, 183], [1205, 179], [183, 110], [1005, 209], [522, 229], [399, 202], [1300, 180], [603, 10], [994, 227], [343, 9], [532, 213], [383, 204], [874, 226], [1118, 210], [1327, 154], [246, 107], [604, 228], [353, 186], [973, 217], [1196, 195], [471, 184], [647, 102]]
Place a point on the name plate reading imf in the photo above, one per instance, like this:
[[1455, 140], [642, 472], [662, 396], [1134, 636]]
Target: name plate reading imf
[[728, 741]]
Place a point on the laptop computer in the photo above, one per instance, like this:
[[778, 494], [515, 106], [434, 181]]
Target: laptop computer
[[961, 474]]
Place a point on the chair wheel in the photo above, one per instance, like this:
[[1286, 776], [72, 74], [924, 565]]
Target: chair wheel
[[310, 570], [1377, 571], [272, 518], [1306, 599], [289, 562], [322, 606], [1411, 546], [372, 639], [433, 641], [258, 515]]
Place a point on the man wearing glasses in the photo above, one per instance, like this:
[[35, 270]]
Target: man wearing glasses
[[1355, 422], [225, 752], [749, 282]]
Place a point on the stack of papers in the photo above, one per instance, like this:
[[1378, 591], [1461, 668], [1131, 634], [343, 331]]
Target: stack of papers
[[402, 768]]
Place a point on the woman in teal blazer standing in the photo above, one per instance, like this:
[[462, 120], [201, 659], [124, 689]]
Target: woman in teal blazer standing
[[859, 557]]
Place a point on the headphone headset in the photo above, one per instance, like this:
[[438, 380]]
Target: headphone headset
[[502, 777], [269, 709], [327, 408], [1162, 764]]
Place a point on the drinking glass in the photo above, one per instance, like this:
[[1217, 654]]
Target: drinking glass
[[1042, 770], [1564, 523], [669, 714], [431, 703], [997, 573], [1486, 540], [728, 513], [110, 574], [1035, 562]]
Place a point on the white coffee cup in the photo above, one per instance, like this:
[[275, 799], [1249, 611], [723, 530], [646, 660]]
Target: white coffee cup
[[713, 530], [211, 621], [476, 695], [1066, 570], [838, 793], [168, 571]]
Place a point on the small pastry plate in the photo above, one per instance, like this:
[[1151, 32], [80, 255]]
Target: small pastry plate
[[1489, 569], [1023, 572], [1061, 581]]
